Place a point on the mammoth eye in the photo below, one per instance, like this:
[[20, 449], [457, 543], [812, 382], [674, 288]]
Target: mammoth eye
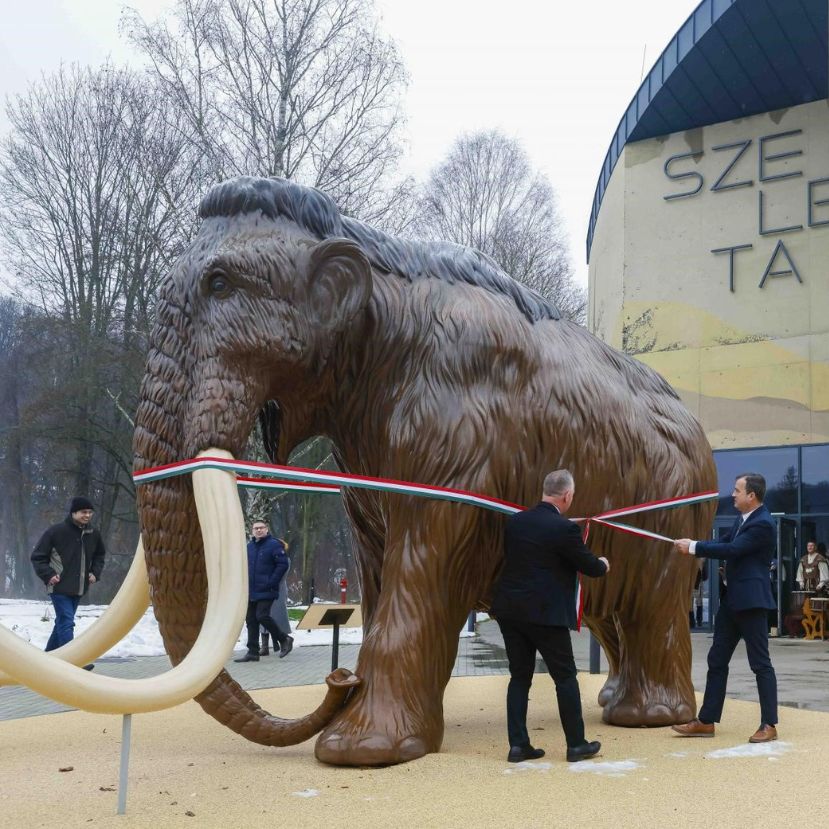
[[218, 285]]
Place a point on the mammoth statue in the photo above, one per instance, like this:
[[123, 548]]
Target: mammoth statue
[[425, 363]]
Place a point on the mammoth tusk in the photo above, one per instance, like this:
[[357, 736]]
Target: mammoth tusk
[[117, 620], [220, 517]]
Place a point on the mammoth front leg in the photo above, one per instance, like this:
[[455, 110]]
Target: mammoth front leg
[[368, 531], [428, 586]]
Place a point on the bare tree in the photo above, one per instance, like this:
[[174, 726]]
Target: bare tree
[[302, 89], [14, 568], [486, 195], [96, 194], [98, 188]]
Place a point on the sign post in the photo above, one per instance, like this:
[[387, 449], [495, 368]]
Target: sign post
[[322, 616]]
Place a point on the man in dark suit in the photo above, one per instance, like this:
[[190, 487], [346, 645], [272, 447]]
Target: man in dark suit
[[747, 550], [535, 605]]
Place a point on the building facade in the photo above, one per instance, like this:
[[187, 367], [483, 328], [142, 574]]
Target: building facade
[[708, 246]]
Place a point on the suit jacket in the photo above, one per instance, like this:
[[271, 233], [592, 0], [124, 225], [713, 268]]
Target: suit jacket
[[747, 550], [543, 552]]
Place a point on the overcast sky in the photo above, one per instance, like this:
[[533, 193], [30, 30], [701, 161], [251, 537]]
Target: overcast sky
[[556, 75]]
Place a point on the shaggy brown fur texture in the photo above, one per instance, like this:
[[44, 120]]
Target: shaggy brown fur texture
[[423, 363]]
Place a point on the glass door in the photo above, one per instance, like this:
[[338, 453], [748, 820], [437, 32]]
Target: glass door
[[783, 567]]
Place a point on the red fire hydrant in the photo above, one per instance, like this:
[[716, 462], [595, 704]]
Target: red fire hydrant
[[343, 589]]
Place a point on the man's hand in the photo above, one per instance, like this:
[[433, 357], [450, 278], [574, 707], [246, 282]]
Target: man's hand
[[54, 580], [92, 578], [606, 564], [683, 545]]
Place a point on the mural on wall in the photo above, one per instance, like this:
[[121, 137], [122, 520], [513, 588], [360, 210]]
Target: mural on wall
[[724, 242]]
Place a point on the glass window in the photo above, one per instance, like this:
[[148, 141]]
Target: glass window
[[816, 478], [778, 466]]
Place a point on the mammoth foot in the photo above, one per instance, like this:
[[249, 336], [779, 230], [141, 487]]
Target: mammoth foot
[[608, 690], [367, 749], [368, 733], [654, 708]]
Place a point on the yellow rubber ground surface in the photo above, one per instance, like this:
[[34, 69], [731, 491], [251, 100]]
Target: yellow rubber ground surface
[[184, 762]]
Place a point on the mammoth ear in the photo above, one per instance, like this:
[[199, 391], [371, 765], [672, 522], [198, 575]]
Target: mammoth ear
[[339, 283]]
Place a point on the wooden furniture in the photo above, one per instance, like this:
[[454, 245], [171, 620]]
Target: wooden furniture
[[814, 617], [793, 620]]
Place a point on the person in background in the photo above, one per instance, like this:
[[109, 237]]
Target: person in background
[[813, 570], [267, 564], [279, 608], [68, 558]]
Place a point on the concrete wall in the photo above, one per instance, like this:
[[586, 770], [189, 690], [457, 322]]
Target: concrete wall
[[710, 262]]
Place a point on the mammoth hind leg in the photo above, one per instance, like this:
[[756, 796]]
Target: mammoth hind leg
[[604, 629], [653, 686]]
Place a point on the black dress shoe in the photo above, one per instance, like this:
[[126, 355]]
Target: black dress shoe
[[286, 646], [248, 657], [518, 754], [89, 667], [583, 752]]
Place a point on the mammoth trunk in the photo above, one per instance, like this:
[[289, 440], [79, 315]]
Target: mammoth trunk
[[176, 565]]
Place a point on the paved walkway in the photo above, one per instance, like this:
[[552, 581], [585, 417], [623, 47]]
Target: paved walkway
[[802, 670]]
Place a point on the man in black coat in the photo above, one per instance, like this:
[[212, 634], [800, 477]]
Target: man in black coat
[[67, 559], [267, 564], [743, 614], [535, 605]]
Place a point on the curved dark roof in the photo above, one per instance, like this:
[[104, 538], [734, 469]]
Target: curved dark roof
[[730, 59]]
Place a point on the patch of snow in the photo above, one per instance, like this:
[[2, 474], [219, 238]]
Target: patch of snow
[[306, 793], [770, 750], [528, 765], [678, 754], [608, 768], [33, 621]]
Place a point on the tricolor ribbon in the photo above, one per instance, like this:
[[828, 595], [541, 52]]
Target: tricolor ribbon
[[317, 480], [332, 481]]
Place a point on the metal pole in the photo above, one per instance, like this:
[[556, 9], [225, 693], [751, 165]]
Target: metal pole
[[470, 622], [713, 590], [595, 655], [335, 648], [779, 577], [126, 729]]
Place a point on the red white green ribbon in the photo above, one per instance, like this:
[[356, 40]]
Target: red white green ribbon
[[249, 474], [332, 481]]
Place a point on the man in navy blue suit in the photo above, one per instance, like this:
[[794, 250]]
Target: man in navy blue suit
[[748, 551], [534, 603]]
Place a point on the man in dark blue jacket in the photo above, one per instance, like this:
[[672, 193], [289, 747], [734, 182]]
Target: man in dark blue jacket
[[535, 605], [267, 564], [747, 550]]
